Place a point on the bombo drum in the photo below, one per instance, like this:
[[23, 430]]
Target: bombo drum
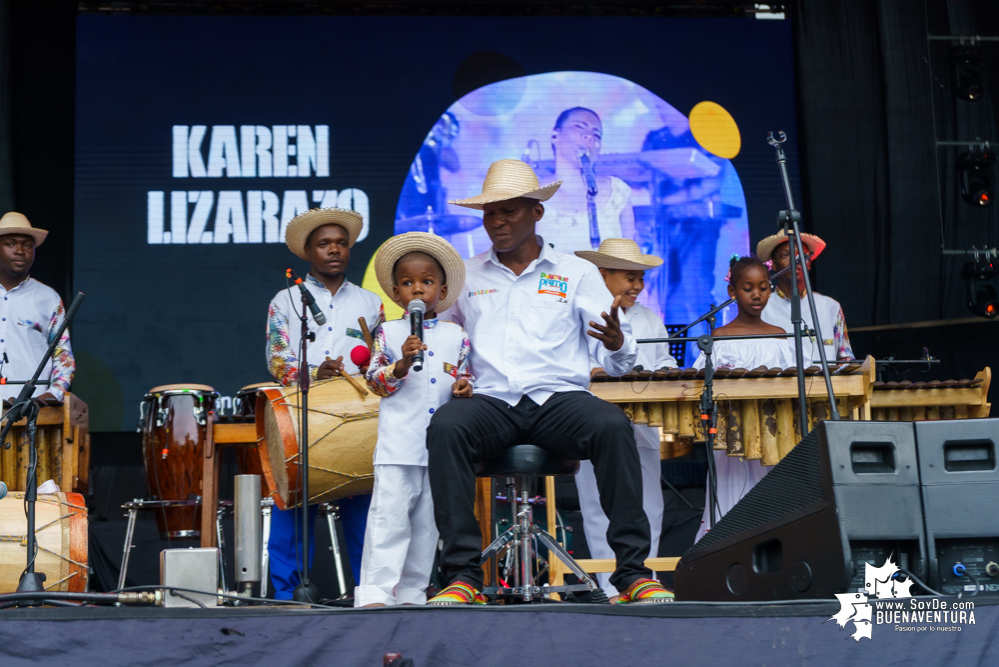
[[61, 534], [343, 430], [174, 430]]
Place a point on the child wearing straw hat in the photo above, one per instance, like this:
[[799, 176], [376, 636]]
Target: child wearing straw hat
[[623, 265], [401, 538]]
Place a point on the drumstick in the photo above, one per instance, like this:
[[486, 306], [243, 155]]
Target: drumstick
[[361, 390], [365, 332]]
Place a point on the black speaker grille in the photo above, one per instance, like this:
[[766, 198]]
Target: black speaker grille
[[793, 484]]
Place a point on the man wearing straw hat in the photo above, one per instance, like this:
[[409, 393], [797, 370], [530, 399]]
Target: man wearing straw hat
[[777, 250], [623, 265], [30, 315], [532, 315], [322, 237]]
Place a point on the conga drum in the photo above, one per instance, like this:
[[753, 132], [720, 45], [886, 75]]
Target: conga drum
[[61, 534], [174, 430], [245, 409], [343, 430]]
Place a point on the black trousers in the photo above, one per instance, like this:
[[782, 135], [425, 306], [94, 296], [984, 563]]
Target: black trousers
[[573, 424]]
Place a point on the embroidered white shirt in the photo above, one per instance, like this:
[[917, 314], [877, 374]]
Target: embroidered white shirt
[[831, 321], [337, 337], [409, 402], [528, 332], [30, 314]]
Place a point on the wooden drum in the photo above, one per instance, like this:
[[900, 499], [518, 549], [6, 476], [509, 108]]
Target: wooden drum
[[174, 419], [343, 430], [61, 534], [245, 409]]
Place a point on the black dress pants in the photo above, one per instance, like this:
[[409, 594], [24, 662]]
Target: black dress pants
[[575, 425]]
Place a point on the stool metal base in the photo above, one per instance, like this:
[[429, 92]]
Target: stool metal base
[[523, 534]]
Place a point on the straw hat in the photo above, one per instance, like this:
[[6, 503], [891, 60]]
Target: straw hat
[[765, 248], [620, 254], [509, 179], [433, 245], [302, 225], [17, 223]]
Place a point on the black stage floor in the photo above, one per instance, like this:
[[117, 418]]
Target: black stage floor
[[551, 635]]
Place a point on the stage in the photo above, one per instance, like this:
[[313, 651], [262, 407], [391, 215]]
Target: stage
[[791, 633]]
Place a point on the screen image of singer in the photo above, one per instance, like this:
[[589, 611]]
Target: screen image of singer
[[199, 137]]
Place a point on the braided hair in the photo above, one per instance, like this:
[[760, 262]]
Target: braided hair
[[739, 264]]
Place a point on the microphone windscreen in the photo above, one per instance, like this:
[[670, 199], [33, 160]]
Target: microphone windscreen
[[417, 306], [360, 355]]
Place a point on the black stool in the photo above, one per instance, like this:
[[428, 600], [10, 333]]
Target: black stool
[[521, 464]]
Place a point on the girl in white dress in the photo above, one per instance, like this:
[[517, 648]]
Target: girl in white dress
[[750, 286]]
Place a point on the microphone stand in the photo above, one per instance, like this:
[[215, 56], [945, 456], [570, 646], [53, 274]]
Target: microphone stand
[[789, 219], [305, 591], [25, 408], [709, 418]]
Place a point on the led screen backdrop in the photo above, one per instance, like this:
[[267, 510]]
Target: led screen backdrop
[[199, 138]]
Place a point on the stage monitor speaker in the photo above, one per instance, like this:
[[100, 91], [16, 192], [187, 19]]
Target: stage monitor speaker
[[960, 478], [847, 494]]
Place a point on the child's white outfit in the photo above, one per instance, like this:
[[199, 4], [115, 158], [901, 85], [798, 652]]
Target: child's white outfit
[[401, 536], [736, 475], [651, 356]]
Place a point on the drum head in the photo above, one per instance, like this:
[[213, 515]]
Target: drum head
[[192, 388]]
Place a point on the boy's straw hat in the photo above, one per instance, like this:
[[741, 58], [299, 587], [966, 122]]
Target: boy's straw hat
[[620, 254], [509, 179], [302, 225], [433, 245], [765, 248]]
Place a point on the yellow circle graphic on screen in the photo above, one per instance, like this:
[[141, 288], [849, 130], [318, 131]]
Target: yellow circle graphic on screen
[[370, 282], [715, 130]]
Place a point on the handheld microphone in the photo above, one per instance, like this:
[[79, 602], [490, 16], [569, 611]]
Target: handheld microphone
[[360, 355], [416, 310], [586, 166], [3, 490], [310, 300]]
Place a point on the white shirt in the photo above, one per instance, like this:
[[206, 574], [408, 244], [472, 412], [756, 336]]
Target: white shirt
[[409, 403], [30, 314], [831, 321], [337, 337], [750, 354], [528, 332], [651, 357]]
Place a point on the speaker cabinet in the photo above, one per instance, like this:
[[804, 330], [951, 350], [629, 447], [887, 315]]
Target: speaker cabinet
[[847, 493], [960, 488]]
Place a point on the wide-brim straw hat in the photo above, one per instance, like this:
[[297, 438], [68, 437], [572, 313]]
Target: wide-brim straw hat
[[302, 225], [765, 248], [17, 223], [509, 179], [620, 254], [433, 245]]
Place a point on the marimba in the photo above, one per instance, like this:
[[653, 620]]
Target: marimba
[[63, 443], [757, 408], [916, 401]]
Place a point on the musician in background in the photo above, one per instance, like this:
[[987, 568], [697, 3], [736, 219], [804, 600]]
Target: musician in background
[[749, 285], [778, 312], [423, 192], [322, 237], [623, 267], [30, 315], [577, 132]]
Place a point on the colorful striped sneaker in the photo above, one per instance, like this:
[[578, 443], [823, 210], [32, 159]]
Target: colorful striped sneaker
[[457, 594], [646, 591]]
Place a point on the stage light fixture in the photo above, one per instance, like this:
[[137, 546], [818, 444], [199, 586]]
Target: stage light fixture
[[982, 281], [966, 62], [974, 171]]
